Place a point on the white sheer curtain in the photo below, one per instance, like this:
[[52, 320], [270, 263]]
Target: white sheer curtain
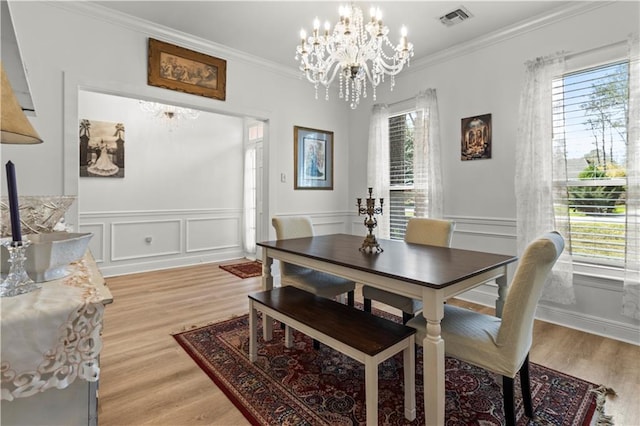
[[534, 177], [378, 164], [249, 210], [427, 173], [631, 296]]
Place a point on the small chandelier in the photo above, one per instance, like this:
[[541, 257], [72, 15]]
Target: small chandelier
[[354, 51], [169, 115]]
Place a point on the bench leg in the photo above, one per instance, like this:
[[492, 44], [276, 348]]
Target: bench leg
[[267, 327], [267, 284], [253, 332], [409, 356], [288, 337], [371, 390]]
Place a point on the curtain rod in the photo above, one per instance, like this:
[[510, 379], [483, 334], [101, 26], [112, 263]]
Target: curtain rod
[[595, 49], [400, 102]]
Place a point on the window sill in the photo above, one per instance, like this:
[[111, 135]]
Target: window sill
[[598, 276]]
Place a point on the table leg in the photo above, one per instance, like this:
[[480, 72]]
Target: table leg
[[371, 390], [433, 361], [267, 284], [253, 332], [502, 293], [288, 337]]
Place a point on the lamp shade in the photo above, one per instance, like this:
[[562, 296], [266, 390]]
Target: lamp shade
[[16, 127]]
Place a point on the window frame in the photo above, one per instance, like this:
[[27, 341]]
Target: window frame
[[593, 270]]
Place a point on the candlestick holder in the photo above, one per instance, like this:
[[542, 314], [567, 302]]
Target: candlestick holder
[[370, 244], [17, 281]]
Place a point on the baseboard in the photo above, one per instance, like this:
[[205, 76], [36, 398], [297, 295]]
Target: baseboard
[[590, 324], [566, 318]]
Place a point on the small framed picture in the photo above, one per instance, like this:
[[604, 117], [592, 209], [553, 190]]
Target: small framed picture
[[101, 149], [476, 137], [177, 68], [313, 158]]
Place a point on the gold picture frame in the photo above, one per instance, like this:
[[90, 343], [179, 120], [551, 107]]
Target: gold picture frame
[[184, 70], [313, 158]]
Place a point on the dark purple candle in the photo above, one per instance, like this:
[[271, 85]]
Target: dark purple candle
[[13, 202]]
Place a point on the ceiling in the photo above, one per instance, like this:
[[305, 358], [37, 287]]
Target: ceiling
[[269, 29]]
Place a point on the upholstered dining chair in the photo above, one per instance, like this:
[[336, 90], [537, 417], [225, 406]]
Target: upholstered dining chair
[[316, 282], [427, 231], [502, 345]]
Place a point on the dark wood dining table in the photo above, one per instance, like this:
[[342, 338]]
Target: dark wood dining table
[[428, 273]]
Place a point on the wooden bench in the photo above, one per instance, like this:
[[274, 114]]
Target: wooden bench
[[357, 334]]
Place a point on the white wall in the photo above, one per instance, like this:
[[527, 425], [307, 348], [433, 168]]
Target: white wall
[[181, 197], [69, 46], [199, 164], [486, 77], [71, 38]]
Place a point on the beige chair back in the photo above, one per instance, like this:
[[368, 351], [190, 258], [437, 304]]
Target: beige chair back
[[292, 227], [427, 231], [516, 330]]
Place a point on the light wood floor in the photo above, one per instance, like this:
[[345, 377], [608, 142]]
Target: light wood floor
[[146, 377]]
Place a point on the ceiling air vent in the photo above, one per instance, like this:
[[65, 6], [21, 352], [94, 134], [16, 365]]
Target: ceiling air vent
[[455, 17]]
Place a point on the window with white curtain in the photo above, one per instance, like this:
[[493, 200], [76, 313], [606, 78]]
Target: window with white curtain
[[590, 115], [402, 202]]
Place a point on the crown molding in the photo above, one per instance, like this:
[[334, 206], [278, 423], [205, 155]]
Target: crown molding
[[129, 22], [96, 11], [557, 15]]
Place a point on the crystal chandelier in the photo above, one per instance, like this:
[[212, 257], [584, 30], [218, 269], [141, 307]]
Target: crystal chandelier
[[169, 115], [355, 51]]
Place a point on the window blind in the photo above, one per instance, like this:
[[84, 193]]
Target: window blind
[[401, 204], [590, 140]]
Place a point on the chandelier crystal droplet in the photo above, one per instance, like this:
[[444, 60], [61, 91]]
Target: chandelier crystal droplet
[[358, 53], [169, 115]]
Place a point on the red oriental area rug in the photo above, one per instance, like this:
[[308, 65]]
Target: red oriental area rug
[[302, 386], [245, 269]]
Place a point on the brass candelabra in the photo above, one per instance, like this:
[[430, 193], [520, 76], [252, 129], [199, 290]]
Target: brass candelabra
[[370, 244]]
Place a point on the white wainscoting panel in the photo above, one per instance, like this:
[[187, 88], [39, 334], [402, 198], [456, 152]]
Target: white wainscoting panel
[[213, 233], [97, 242], [324, 223], [139, 239], [323, 227], [494, 235], [127, 242]]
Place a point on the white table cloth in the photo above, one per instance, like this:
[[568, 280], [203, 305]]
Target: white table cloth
[[51, 336]]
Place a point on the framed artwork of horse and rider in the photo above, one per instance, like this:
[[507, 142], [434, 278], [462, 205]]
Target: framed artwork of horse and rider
[[177, 68]]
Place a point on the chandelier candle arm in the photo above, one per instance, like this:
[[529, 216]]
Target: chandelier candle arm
[[359, 53]]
